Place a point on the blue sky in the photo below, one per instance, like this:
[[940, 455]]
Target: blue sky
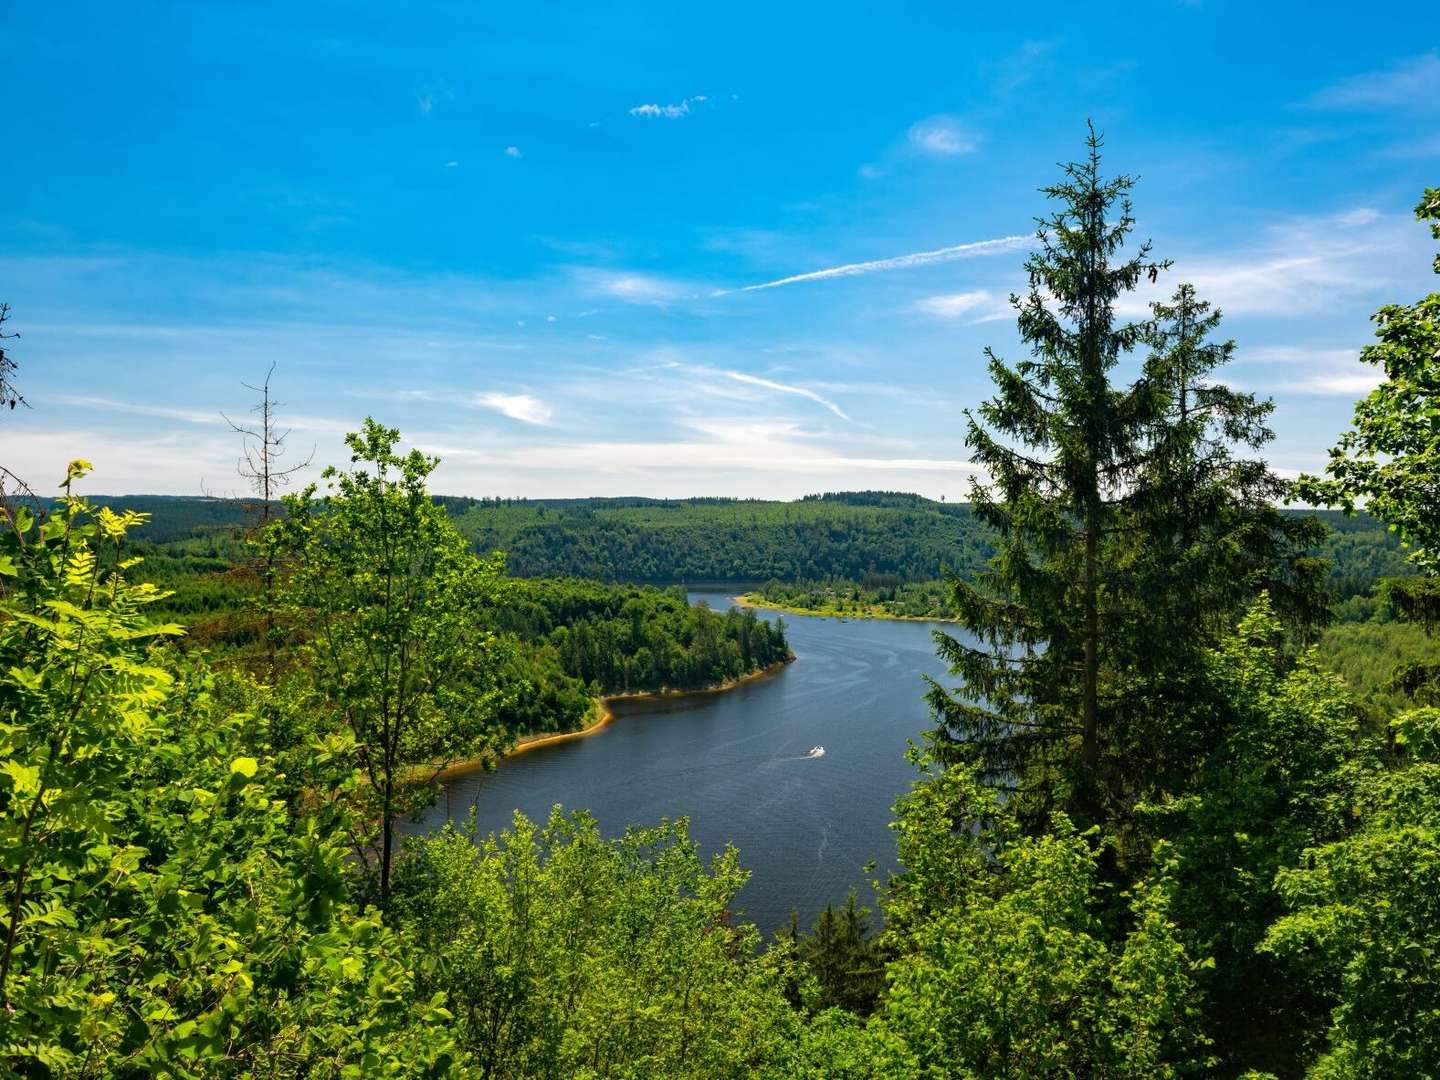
[[529, 235]]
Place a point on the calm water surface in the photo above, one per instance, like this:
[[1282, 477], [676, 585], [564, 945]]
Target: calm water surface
[[734, 763]]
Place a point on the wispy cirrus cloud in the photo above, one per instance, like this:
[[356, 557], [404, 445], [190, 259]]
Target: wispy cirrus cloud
[[780, 388], [636, 288], [972, 250], [427, 97], [200, 417], [1027, 63], [523, 407], [1302, 369], [1410, 83], [942, 136], [975, 306], [732, 383], [165, 412], [1301, 266]]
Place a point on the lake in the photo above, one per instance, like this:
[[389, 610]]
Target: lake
[[735, 764]]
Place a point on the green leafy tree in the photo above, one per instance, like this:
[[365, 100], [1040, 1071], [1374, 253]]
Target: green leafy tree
[[1363, 907], [566, 954], [396, 610], [165, 915], [1005, 967], [1390, 457], [1132, 533], [843, 957], [1364, 920], [1199, 535], [1284, 777]]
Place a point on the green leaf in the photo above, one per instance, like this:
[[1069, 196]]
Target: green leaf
[[245, 766]]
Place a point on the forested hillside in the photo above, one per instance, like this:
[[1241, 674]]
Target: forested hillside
[[707, 540], [840, 537], [568, 641]]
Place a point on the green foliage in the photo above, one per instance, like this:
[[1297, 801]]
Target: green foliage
[[1056, 441], [1390, 458], [1005, 968], [1368, 654], [842, 957], [1283, 777], [634, 638], [729, 540], [874, 596], [1365, 919], [569, 955], [395, 610], [164, 914]]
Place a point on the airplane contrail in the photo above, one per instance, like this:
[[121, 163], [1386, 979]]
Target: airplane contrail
[[899, 262]]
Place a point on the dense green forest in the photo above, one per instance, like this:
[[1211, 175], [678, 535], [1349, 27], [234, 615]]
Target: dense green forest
[[850, 537], [1150, 834], [566, 641], [575, 640], [844, 535], [722, 540], [1358, 550]]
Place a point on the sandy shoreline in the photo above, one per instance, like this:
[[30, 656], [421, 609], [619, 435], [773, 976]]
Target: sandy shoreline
[[745, 600], [604, 716]]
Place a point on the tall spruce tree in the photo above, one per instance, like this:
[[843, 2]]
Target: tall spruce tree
[[1130, 534], [1059, 443]]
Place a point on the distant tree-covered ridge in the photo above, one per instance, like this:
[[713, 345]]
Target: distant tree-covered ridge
[[840, 536], [711, 540], [1359, 550]]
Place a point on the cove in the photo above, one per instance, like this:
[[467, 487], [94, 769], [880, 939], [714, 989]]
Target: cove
[[735, 764]]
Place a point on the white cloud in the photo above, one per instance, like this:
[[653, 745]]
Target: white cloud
[[1306, 370], [1349, 385], [287, 421], [726, 383], [1361, 215], [1307, 266], [902, 262], [187, 416], [729, 445], [669, 112], [1298, 355], [522, 407], [513, 151], [942, 136], [452, 164], [1410, 83], [637, 288], [976, 306]]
